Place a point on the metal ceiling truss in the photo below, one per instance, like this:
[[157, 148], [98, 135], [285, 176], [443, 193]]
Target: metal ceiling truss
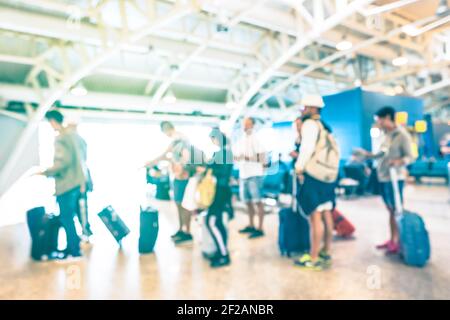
[[61, 79], [324, 21]]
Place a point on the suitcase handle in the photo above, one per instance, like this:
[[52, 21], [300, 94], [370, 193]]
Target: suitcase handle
[[296, 208]]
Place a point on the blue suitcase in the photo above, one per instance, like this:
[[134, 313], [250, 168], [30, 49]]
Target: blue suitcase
[[149, 228], [293, 233], [414, 241], [114, 223]]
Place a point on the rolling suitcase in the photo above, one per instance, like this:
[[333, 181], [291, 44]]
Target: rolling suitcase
[[414, 240], [44, 231], [114, 223], [293, 232], [344, 228], [148, 230]]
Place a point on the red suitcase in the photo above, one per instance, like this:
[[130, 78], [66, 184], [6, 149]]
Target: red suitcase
[[343, 227]]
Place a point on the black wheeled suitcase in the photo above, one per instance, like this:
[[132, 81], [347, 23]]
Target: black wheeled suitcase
[[293, 232], [149, 228], [114, 223], [44, 231]]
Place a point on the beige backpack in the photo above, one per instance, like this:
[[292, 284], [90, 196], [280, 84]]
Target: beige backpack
[[324, 163]]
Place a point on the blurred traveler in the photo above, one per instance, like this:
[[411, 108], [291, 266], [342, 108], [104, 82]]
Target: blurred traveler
[[395, 151], [221, 165], [70, 178], [82, 207], [250, 155], [317, 169], [176, 154]]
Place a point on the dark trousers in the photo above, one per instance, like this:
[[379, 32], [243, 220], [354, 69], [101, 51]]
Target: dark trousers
[[214, 220], [68, 203]]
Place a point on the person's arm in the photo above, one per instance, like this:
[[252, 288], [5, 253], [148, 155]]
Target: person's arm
[[61, 159], [369, 155], [310, 134], [161, 157]]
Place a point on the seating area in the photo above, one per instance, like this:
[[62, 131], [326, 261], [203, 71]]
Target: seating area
[[430, 169]]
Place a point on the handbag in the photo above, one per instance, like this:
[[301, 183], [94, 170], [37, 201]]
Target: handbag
[[189, 198], [206, 190]]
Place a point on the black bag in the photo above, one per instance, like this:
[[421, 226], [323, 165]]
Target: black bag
[[44, 231], [149, 228], [293, 233], [114, 223]]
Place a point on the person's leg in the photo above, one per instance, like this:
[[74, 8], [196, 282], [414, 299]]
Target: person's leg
[[251, 214], [180, 219], [328, 234], [317, 232], [178, 194], [260, 207], [187, 220], [255, 189], [67, 207]]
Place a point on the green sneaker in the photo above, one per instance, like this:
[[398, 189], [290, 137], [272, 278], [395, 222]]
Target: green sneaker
[[306, 262], [323, 255]]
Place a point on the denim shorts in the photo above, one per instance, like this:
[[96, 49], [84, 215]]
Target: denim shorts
[[387, 193], [179, 186], [251, 189]]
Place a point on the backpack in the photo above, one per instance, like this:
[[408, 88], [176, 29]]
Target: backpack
[[206, 190], [324, 163]]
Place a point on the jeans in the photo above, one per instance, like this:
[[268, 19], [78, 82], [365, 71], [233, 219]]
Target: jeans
[[68, 203], [251, 189]]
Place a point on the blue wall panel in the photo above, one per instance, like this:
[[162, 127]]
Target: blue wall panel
[[343, 112]]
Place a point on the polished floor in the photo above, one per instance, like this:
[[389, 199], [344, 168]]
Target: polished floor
[[257, 270]]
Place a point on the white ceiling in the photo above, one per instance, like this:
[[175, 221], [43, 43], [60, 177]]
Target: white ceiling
[[273, 51]]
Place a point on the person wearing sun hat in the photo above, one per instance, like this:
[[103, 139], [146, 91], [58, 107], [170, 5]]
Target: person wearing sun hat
[[316, 196]]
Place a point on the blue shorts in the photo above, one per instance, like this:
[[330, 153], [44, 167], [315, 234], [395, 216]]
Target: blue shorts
[[251, 189], [387, 193], [179, 186]]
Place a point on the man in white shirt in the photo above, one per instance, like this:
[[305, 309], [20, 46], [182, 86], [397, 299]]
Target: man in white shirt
[[250, 155]]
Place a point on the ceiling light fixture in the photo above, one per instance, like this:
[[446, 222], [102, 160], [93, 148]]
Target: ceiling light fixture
[[399, 89], [344, 44], [400, 61], [79, 90], [169, 98], [231, 105]]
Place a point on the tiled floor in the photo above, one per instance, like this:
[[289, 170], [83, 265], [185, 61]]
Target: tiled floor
[[257, 270]]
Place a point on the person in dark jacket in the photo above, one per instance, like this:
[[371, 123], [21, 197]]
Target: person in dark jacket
[[221, 165]]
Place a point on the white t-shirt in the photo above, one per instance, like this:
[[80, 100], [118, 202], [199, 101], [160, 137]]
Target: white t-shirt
[[250, 146]]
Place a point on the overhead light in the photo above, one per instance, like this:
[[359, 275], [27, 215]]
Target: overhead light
[[231, 105], [344, 44], [411, 30], [169, 98], [79, 90], [400, 61], [399, 89], [390, 92], [443, 8]]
